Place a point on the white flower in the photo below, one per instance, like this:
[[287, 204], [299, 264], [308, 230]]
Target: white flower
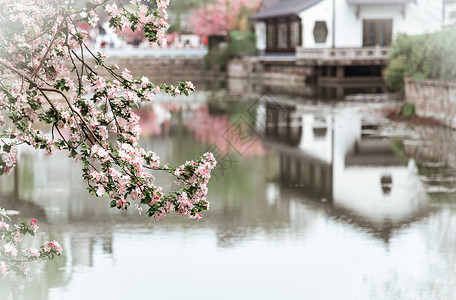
[[10, 249], [33, 253], [3, 269]]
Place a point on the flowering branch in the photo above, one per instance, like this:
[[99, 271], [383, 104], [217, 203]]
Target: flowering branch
[[11, 236], [42, 53]]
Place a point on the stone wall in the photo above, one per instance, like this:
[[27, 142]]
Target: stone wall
[[278, 71], [433, 98], [163, 68], [437, 145]]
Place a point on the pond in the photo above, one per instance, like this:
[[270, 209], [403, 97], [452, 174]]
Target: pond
[[311, 199]]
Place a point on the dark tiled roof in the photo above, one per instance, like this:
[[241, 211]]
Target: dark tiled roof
[[285, 8], [378, 2]]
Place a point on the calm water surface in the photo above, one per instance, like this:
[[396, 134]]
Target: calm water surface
[[310, 200]]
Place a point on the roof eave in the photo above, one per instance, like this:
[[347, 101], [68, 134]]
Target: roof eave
[[360, 3], [264, 18]]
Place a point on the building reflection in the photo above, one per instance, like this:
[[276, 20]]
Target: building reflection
[[328, 158], [341, 161], [251, 89], [55, 195], [327, 162]]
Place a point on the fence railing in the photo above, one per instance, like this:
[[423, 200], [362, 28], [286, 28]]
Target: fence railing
[[330, 54]]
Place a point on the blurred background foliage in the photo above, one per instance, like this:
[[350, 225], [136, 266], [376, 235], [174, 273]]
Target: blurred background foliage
[[427, 56]]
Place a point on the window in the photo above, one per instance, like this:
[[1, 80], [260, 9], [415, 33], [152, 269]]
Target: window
[[282, 35], [377, 32], [320, 32], [271, 36], [295, 33]]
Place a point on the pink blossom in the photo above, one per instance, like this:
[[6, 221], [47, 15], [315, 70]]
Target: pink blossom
[[17, 236], [95, 175], [149, 96], [112, 10], [127, 75], [10, 249], [122, 203], [4, 225], [190, 85], [95, 120], [138, 208], [3, 269], [54, 245], [25, 268], [33, 253], [100, 190], [131, 96], [144, 81], [93, 19], [157, 196], [99, 151]]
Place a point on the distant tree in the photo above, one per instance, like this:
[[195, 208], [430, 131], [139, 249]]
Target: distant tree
[[180, 12], [222, 16]]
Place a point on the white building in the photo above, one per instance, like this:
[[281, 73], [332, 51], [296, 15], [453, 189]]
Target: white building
[[449, 14], [286, 25]]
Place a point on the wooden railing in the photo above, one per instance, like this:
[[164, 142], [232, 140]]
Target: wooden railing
[[337, 54]]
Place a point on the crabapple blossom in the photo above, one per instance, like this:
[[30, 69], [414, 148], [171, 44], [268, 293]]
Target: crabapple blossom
[[32, 253], [3, 269], [10, 249], [53, 97], [94, 109], [11, 260], [52, 246]]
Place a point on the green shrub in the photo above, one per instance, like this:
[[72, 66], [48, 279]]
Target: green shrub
[[429, 56], [394, 74], [217, 58], [240, 44], [407, 110]]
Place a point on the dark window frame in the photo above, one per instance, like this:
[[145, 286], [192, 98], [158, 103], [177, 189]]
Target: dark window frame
[[377, 32], [320, 35], [274, 24]]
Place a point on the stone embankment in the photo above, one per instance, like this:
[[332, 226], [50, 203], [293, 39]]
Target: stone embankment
[[180, 68], [277, 69], [433, 98]]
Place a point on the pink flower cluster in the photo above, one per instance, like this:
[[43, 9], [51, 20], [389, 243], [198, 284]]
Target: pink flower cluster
[[53, 246], [10, 259], [54, 98], [88, 115], [8, 160]]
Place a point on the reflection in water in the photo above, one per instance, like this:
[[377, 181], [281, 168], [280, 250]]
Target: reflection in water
[[319, 206], [250, 89], [330, 158]]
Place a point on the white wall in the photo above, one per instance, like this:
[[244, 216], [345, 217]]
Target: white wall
[[317, 147], [421, 16], [407, 195], [424, 16], [349, 29], [406, 198], [260, 33], [321, 11], [450, 8]]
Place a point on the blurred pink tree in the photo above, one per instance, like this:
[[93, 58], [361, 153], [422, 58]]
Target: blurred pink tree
[[220, 17]]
